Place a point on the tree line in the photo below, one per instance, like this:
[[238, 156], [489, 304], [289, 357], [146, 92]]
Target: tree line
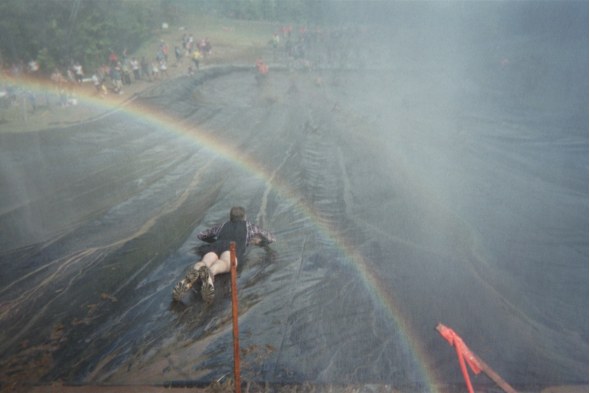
[[56, 33]]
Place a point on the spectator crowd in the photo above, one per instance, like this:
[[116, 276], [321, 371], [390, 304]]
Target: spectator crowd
[[302, 48], [119, 70]]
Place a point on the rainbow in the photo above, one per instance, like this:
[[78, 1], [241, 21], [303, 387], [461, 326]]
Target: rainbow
[[375, 287]]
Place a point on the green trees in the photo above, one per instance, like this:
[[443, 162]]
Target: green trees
[[273, 10], [57, 32]]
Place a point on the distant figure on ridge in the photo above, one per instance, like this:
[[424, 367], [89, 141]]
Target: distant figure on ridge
[[262, 69]]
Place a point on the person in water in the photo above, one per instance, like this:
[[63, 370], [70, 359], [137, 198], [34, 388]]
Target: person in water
[[216, 258], [262, 69]]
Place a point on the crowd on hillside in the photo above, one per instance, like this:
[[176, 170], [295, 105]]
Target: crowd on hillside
[[120, 69], [320, 47], [301, 47]]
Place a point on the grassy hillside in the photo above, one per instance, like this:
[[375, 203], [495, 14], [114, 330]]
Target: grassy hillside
[[232, 40]]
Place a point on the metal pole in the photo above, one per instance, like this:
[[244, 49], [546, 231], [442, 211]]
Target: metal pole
[[234, 302], [464, 369], [495, 377], [477, 365]]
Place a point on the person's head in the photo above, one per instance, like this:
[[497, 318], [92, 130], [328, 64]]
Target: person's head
[[237, 213]]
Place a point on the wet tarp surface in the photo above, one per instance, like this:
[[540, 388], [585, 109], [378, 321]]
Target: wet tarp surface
[[420, 187]]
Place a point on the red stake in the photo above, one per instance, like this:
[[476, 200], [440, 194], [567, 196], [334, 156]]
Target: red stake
[[234, 302], [477, 365]]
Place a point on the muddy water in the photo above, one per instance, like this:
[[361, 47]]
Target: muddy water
[[400, 198]]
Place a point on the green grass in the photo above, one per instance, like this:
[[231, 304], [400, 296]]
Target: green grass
[[232, 40]]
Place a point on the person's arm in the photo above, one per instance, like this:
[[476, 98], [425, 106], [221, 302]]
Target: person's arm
[[209, 235], [259, 236]]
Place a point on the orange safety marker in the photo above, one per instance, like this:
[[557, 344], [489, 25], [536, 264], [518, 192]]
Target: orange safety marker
[[234, 303], [477, 365]]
